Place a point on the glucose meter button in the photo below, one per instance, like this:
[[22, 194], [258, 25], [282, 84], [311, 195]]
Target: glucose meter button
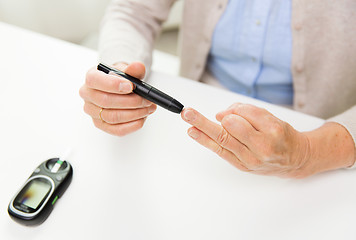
[[59, 178]]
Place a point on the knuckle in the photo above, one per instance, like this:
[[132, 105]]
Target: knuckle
[[267, 155], [276, 129], [223, 138], [266, 151], [266, 158]]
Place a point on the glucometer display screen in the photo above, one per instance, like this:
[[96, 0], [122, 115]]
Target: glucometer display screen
[[33, 194]]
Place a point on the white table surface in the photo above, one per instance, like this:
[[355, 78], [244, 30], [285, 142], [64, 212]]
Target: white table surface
[[156, 183]]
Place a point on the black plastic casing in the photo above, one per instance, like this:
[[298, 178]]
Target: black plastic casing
[[61, 180], [147, 91]]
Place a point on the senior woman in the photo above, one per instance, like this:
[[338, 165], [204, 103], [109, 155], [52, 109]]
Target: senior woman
[[297, 53]]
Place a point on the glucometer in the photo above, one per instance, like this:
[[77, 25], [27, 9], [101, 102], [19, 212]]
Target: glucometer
[[35, 200]]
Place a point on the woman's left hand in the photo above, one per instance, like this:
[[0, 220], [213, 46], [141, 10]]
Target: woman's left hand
[[253, 140]]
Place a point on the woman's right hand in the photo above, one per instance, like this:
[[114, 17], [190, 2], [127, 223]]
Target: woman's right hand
[[109, 100]]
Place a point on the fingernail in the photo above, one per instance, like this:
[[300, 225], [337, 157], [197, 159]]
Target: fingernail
[[190, 115], [193, 133], [125, 87]]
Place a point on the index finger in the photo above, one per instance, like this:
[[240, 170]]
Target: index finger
[[216, 138], [215, 131], [98, 80]]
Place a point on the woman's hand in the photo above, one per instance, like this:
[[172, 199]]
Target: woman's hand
[[109, 100], [254, 140]]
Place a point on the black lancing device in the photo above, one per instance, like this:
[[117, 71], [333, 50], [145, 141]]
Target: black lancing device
[[147, 91]]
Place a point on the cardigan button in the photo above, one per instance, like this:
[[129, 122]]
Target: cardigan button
[[301, 104], [299, 68], [298, 26]]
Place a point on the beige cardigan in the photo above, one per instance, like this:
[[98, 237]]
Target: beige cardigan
[[324, 47]]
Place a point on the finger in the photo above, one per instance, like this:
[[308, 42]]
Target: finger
[[213, 130], [121, 129], [219, 135], [256, 116], [242, 130], [114, 116], [99, 80], [207, 142], [111, 100], [229, 110]]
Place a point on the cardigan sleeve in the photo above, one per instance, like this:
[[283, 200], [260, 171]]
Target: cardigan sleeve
[[348, 120], [129, 29]]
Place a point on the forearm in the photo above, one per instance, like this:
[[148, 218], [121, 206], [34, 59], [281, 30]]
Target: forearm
[[331, 147]]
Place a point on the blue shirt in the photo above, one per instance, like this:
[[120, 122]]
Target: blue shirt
[[252, 47]]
